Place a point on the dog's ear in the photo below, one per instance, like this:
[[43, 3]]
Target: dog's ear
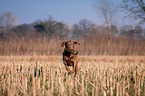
[[75, 42], [62, 44]]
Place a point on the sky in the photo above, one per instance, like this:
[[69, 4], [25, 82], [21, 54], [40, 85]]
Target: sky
[[66, 11]]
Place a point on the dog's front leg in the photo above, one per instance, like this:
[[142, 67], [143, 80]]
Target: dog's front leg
[[67, 68], [74, 66]]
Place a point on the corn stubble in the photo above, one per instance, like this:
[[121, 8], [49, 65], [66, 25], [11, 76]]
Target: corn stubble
[[98, 76]]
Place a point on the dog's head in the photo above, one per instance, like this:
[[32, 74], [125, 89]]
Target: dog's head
[[69, 44]]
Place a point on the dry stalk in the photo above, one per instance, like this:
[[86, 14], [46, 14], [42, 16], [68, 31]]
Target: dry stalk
[[43, 85], [33, 84], [52, 82], [117, 89]]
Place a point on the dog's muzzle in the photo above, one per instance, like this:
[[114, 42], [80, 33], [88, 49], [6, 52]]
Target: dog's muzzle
[[71, 51]]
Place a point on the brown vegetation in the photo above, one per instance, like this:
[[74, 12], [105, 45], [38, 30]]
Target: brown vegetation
[[97, 45]]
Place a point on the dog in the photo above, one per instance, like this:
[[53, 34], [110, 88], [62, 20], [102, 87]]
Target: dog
[[70, 56]]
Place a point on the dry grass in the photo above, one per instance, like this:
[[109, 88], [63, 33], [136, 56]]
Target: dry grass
[[88, 46], [98, 76]]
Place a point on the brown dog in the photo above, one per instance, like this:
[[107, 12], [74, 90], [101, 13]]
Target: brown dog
[[70, 56]]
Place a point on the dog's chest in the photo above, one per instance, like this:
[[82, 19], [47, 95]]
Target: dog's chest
[[69, 58], [68, 54]]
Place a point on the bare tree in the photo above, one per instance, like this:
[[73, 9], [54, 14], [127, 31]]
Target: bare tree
[[86, 26], [129, 31], [8, 20], [135, 9], [83, 28], [138, 31], [52, 29], [76, 31], [107, 10], [2, 32], [22, 31]]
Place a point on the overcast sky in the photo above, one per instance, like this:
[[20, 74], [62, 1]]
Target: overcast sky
[[66, 11]]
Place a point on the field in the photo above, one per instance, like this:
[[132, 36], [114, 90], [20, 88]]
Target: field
[[98, 76]]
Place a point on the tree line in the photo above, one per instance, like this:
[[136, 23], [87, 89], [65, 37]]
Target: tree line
[[53, 29]]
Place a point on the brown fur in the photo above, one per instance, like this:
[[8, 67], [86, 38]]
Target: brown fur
[[70, 56]]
